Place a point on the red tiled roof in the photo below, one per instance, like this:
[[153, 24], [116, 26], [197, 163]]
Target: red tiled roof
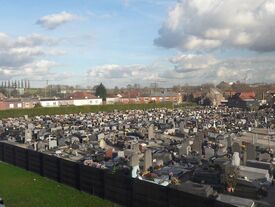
[[247, 95], [272, 91]]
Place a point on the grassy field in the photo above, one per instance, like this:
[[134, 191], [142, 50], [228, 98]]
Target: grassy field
[[78, 109], [20, 188]]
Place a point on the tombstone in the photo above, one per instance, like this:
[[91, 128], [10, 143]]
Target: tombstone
[[120, 154], [147, 159], [134, 160], [135, 147], [222, 151], [30, 126], [185, 149], [251, 151], [100, 136], [41, 146], [102, 144], [135, 171], [255, 139], [28, 135], [35, 146], [197, 144], [229, 140], [236, 147], [264, 157], [209, 152], [255, 124], [151, 133], [236, 159], [52, 143], [182, 127]]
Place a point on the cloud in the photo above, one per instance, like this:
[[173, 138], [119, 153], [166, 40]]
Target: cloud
[[24, 56], [210, 24], [53, 21], [191, 62], [122, 74], [197, 69]]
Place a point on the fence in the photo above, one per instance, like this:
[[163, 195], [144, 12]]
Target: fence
[[120, 189]]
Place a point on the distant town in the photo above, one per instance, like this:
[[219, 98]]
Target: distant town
[[18, 94]]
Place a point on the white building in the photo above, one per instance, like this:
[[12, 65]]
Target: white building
[[83, 102], [49, 103]]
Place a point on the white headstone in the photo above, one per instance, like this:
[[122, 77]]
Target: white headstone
[[236, 159]]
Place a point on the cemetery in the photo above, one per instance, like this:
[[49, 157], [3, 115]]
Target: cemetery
[[216, 154]]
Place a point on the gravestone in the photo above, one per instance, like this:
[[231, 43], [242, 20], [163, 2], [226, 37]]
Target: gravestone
[[197, 144], [221, 151], [151, 133], [102, 144], [28, 135], [134, 160], [229, 140], [209, 152], [236, 159], [185, 149], [181, 127], [135, 147], [147, 159], [264, 157], [251, 151], [120, 154], [236, 147]]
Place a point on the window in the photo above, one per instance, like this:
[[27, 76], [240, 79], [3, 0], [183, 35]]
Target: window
[[19, 105], [11, 105]]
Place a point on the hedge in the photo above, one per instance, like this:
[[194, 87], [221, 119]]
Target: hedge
[[11, 113]]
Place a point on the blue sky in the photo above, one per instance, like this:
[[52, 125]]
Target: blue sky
[[118, 42]]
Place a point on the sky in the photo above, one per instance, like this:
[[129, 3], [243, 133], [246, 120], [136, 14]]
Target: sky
[[120, 42]]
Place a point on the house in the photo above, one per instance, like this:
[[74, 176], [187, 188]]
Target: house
[[11, 104], [112, 99], [49, 102], [66, 102], [2, 96], [245, 100], [91, 101], [157, 97], [84, 98], [17, 103], [214, 97]]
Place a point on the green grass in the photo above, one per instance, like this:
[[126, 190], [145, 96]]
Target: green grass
[[78, 109], [20, 188]]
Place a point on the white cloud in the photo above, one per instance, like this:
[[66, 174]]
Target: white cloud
[[197, 69], [24, 56], [210, 24], [122, 74], [190, 62], [53, 21]]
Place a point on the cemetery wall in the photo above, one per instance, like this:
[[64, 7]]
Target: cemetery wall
[[120, 189]]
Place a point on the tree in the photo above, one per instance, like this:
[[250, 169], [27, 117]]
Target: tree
[[101, 91]]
